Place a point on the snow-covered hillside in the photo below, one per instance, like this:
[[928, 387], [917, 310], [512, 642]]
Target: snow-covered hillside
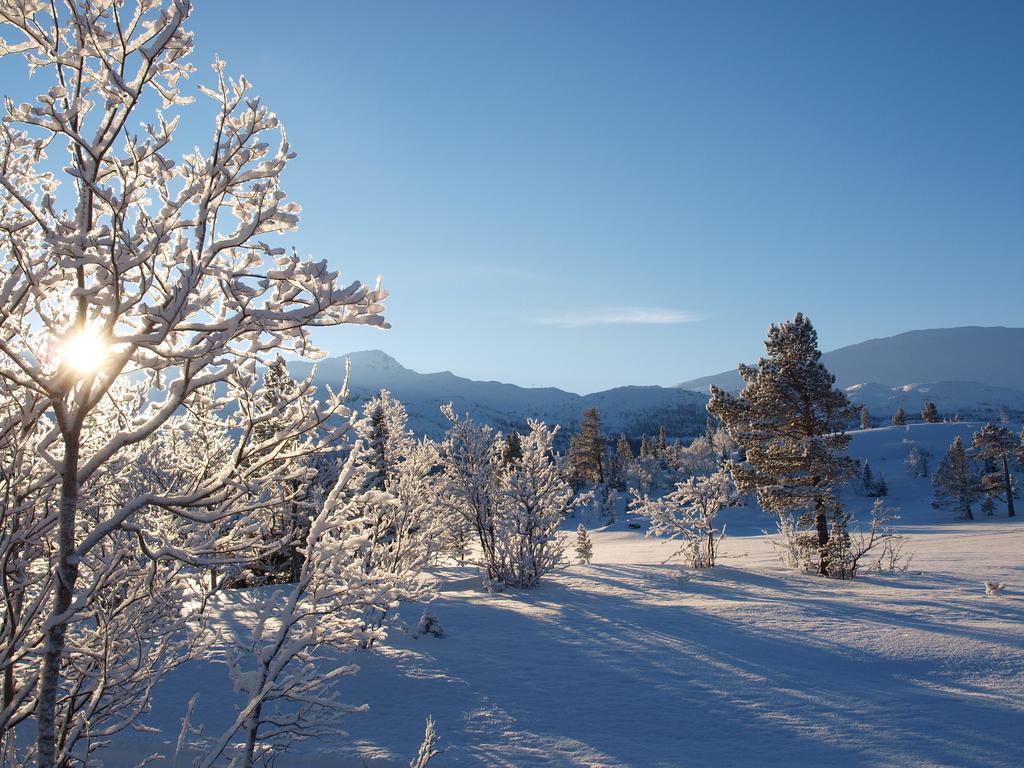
[[630, 661], [633, 410], [966, 399], [972, 370]]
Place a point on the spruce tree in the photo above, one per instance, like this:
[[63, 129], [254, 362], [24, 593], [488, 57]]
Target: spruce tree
[[930, 414], [287, 524], [584, 547], [623, 449], [899, 418], [997, 445], [865, 417], [867, 478], [512, 450], [957, 485], [587, 450], [790, 423]]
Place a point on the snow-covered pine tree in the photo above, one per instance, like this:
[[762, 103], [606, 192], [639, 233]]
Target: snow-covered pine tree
[[867, 479], [930, 414], [584, 547], [689, 512], [865, 417], [988, 505], [899, 418], [790, 421], [620, 464], [997, 444], [957, 484], [587, 451], [623, 449], [286, 522], [158, 273], [512, 450], [645, 447]]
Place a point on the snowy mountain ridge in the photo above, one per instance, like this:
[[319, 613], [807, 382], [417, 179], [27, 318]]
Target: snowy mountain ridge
[[992, 357], [635, 410], [970, 372]]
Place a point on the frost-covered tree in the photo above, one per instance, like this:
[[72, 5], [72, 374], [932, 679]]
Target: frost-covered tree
[[534, 500], [623, 449], [790, 423], [899, 418], [394, 498], [865, 417], [620, 463], [471, 483], [700, 457], [930, 414], [998, 445], [131, 266], [285, 667], [957, 484], [690, 513], [584, 547], [587, 451], [918, 461], [515, 510], [287, 522]]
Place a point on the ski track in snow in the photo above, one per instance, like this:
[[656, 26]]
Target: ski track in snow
[[633, 662]]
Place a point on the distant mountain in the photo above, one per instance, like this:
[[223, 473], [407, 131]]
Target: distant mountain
[[992, 357], [633, 410]]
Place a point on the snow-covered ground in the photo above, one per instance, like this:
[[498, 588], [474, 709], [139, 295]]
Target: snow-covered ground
[[633, 662]]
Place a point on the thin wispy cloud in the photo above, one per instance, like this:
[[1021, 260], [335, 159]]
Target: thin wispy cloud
[[619, 316]]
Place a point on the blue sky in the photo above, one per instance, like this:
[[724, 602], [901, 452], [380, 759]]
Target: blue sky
[[587, 194]]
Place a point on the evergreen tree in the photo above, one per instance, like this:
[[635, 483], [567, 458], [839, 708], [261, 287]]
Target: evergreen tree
[[287, 522], [956, 483], [930, 414], [881, 487], [899, 418], [512, 451], [865, 417], [645, 447], [790, 421], [587, 450], [988, 505], [662, 440], [623, 449], [584, 547], [997, 446], [867, 478]]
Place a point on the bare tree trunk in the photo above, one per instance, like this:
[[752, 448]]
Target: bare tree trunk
[[14, 593], [821, 526], [252, 726], [1009, 488], [67, 575]]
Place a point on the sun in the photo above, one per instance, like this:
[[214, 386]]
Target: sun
[[84, 351]]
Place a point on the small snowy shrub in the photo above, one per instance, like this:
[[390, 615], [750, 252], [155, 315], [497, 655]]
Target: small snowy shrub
[[428, 625], [584, 547], [688, 513]]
